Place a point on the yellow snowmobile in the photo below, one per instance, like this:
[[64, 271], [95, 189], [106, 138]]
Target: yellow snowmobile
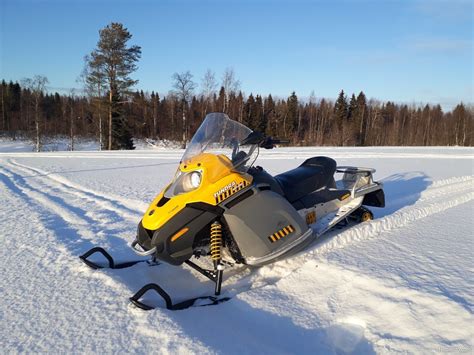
[[220, 206]]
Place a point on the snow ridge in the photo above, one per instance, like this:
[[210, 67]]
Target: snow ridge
[[454, 191]]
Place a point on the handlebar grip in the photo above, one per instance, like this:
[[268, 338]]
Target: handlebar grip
[[281, 141]]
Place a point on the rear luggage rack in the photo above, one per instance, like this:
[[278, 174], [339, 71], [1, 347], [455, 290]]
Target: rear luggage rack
[[354, 170]]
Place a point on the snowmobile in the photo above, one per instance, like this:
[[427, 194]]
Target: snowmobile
[[220, 206]]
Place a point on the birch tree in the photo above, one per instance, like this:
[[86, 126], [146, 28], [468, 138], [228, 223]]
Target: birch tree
[[183, 88], [208, 88], [37, 87], [230, 85]]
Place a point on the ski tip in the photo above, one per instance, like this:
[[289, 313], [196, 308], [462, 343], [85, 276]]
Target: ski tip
[[140, 305]]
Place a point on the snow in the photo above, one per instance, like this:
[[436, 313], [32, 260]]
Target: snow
[[63, 143], [401, 283], [49, 144]]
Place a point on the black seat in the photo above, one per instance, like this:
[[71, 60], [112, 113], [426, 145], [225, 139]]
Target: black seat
[[313, 174], [260, 176]]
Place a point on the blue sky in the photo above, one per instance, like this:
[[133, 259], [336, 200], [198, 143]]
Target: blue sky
[[405, 51]]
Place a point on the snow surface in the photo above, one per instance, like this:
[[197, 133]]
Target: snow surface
[[401, 283]]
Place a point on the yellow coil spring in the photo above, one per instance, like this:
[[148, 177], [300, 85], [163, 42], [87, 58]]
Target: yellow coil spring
[[216, 241]]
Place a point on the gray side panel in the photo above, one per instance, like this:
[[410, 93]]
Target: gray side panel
[[255, 219]]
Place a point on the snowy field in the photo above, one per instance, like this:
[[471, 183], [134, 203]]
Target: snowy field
[[402, 283]]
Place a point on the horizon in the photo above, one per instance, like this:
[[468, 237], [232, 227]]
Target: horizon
[[408, 52]]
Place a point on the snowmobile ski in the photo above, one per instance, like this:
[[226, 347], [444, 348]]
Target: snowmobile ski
[[213, 275], [135, 299]]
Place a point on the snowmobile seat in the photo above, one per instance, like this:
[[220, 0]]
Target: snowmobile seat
[[260, 176], [315, 173]]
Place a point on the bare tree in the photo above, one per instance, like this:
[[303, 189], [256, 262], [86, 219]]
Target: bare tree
[[155, 99], [208, 87], [184, 88], [230, 85], [37, 86], [312, 118], [4, 119], [72, 96]]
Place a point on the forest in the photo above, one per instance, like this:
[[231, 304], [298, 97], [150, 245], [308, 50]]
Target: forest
[[354, 121], [109, 108]]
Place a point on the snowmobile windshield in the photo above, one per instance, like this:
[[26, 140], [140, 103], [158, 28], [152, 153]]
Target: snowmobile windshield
[[218, 134]]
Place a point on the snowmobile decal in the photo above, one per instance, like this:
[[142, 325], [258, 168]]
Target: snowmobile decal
[[343, 197], [311, 217], [229, 190], [281, 233]]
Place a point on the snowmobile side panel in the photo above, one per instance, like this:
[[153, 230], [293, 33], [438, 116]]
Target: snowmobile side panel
[[263, 223], [322, 196]]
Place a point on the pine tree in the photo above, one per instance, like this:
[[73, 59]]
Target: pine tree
[[112, 62], [352, 108], [249, 114], [270, 117], [293, 115], [260, 118], [121, 134], [340, 115], [350, 135]]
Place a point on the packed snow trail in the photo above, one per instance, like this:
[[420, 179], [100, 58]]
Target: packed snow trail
[[46, 308], [401, 283]]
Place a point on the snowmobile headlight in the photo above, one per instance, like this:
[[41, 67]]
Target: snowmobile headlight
[[191, 181], [184, 182]]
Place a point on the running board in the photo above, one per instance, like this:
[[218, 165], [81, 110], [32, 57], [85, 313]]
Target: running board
[[333, 218]]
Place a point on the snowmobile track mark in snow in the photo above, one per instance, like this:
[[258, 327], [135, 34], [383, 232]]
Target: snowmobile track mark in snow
[[126, 209], [80, 218], [460, 191]]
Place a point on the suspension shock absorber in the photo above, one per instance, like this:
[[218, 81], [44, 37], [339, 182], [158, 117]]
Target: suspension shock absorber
[[215, 251], [216, 242]]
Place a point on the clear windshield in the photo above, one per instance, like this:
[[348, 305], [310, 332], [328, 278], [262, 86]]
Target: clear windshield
[[218, 134]]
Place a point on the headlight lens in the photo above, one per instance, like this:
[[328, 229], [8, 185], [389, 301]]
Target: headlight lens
[[195, 179], [191, 181]]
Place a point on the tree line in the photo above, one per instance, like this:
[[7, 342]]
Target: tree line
[[108, 109]]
